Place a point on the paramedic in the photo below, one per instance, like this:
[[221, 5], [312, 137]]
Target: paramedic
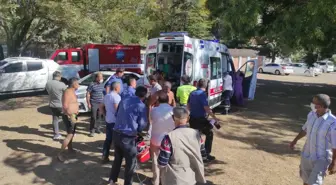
[[199, 108], [131, 119], [116, 77], [319, 152], [181, 153], [227, 94], [183, 92], [130, 89]]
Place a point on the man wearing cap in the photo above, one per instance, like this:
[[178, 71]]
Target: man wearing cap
[[184, 91], [116, 77], [182, 153], [199, 108]]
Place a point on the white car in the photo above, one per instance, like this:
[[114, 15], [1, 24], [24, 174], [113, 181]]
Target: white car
[[278, 69], [88, 79], [26, 74], [326, 66], [303, 69]]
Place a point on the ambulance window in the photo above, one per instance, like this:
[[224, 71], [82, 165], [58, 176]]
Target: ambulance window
[[215, 68], [75, 56], [165, 47], [225, 67]]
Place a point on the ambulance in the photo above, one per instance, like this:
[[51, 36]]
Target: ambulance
[[98, 57], [176, 54]]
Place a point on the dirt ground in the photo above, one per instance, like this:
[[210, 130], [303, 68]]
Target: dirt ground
[[251, 148]]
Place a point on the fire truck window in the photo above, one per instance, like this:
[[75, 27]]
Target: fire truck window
[[75, 56], [62, 56], [215, 67]]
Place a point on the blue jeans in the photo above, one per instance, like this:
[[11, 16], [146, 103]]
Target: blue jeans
[[124, 147], [108, 139]]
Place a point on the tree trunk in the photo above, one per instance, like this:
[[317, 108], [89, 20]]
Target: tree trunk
[[273, 56]]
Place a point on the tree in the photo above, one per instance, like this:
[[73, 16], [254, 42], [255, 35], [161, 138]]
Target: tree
[[184, 15], [28, 21]]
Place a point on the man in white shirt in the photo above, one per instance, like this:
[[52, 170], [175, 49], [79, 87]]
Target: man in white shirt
[[162, 123], [111, 102], [228, 89], [153, 81], [319, 152]]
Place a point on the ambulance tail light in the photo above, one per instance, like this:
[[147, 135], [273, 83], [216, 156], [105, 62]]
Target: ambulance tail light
[[195, 83]]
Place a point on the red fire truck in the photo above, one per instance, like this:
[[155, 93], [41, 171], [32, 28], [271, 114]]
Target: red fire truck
[[98, 57]]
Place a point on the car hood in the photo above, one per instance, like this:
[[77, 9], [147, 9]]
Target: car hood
[[81, 89]]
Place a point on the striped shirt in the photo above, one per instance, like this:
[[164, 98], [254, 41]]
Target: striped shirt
[[321, 136], [166, 150], [96, 92]]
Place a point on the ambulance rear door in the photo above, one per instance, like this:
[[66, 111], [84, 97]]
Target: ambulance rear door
[[249, 71], [151, 56], [188, 62], [215, 86]]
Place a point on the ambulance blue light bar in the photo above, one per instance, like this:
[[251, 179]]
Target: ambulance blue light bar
[[173, 34]]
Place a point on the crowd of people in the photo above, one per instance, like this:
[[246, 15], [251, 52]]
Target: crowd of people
[[174, 124], [174, 127]]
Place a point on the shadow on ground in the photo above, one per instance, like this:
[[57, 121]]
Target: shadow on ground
[[278, 107], [35, 156], [17, 101]]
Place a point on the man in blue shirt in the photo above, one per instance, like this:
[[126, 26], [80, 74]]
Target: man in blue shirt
[[199, 108], [131, 120], [130, 89], [115, 78]]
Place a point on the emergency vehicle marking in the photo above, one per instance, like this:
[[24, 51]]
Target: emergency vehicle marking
[[152, 47], [188, 46], [204, 66], [216, 90]]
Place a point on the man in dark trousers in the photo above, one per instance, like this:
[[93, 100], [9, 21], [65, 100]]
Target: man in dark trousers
[[131, 120], [94, 99], [199, 109]]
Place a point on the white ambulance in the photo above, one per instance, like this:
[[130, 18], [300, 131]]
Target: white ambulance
[[176, 54]]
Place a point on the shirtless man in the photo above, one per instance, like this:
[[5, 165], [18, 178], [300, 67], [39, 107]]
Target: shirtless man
[[167, 89], [70, 111]]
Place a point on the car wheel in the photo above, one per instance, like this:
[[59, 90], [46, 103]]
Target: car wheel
[[261, 70], [307, 73], [287, 74], [277, 72], [323, 71]]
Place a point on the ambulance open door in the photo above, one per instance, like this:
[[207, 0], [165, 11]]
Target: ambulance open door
[[249, 73]]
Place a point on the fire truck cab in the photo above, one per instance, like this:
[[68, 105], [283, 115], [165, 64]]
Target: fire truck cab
[[95, 57]]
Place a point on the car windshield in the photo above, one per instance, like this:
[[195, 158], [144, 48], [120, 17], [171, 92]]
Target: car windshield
[[322, 63], [2, 63], [87, 80]]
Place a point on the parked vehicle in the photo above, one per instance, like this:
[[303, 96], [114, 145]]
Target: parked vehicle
[[87, 80], [25, 74], [326, 66], [97, 57], [176, 54], [303, 69], [278, 69]]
